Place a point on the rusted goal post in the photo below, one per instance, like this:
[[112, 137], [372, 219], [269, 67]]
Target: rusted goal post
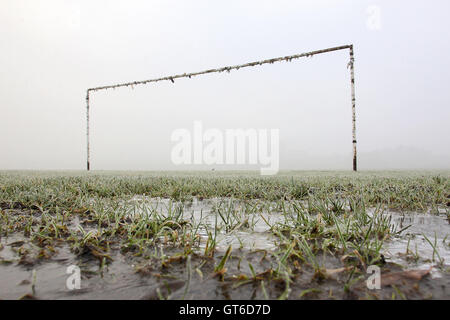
[[237, 67]]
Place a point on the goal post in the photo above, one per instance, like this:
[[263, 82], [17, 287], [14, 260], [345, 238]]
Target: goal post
[[237, 67]]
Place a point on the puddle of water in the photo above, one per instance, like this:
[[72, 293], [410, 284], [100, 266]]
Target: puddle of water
[[50, 275], [436, 227], [118, 280], [251, 231], [421, 255]]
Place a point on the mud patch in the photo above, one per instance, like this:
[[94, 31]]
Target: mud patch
[[261, 265]]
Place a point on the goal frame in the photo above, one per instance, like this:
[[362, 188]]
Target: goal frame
[[237, 67]]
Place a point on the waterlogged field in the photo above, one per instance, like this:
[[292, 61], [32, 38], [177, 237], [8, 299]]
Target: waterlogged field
[[224, 235]]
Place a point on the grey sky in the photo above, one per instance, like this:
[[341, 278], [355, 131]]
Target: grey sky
[[52, 51]]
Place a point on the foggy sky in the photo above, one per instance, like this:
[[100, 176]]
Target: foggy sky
[[52, 51]]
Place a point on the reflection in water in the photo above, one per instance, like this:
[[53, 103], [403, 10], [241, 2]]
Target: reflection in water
[[409, 248], [250, 231], [412, 248]]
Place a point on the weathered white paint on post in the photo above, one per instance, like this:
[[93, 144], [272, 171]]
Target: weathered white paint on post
[[87, 131], [352, 79]]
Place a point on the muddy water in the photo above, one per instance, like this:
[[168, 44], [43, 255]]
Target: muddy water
[[411, 241], [48, 280], [411, 249], [120, 279], [251, 236], [252, 231]]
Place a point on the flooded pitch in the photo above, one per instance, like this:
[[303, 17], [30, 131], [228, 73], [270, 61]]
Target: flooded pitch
[[235, 249]]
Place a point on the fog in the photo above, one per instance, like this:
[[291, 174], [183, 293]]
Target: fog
[[52, 51]]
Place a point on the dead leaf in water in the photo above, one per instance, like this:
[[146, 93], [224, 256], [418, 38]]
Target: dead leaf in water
[[28, 296], [396, 277], [24, 282], [98, 253], [16, 244], [332, 272], [26, 260]]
